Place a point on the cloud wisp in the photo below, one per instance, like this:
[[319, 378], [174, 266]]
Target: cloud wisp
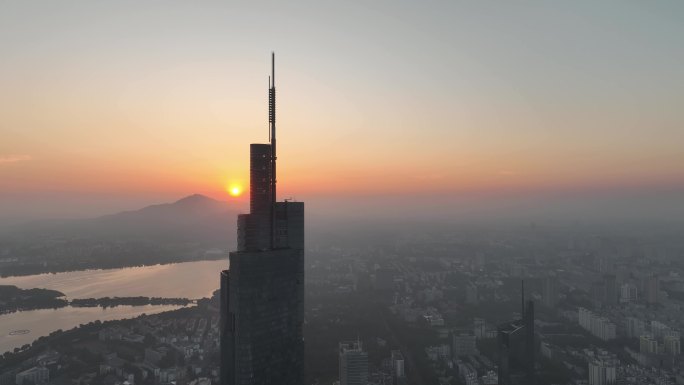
[[5, 159]]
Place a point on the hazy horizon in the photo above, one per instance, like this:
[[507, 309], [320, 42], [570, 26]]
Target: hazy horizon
[[605, 207], [470, 110]]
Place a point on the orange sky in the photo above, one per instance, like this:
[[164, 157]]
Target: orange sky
[[164, 101]]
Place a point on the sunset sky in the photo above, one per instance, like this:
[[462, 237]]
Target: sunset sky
[[107, 105]]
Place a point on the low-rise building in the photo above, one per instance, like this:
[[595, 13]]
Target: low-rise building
[[34, 376]]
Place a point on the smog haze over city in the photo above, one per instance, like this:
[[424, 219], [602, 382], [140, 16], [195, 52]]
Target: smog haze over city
[[470, 193]]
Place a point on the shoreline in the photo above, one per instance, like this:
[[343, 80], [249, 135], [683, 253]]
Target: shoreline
[[59, 271]]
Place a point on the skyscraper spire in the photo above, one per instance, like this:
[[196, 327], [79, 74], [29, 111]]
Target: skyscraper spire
[[272, 123], [262, 295]]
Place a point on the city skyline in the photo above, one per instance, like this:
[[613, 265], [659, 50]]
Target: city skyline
[[499, 109], [494, 193]]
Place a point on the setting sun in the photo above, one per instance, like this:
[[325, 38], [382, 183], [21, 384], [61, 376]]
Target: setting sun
[[235, 190]]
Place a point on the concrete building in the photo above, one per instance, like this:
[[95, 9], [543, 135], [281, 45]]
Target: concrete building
[[672, 345], [463, 344], [598, 326], [603, 369], [398, 367], [635, 327], [471, 294], [604, 292], [648, 344], [467, 373], [479, 328], [652, 289], [34, 376], [353, 363], [550, 291], [629, 293], [438, 352], [490, 378], [660, 330], [610, 283], [598, 294]]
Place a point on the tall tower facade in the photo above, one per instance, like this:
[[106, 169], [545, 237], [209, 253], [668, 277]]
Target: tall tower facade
[[262, 295], [353, 363], [516, 348], [550, 291]]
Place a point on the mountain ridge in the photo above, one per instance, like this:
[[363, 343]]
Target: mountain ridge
[[195, 218]]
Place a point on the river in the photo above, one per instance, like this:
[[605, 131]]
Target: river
[[180, 280]]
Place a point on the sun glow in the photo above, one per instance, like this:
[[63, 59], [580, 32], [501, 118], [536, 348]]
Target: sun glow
[[235, 190]]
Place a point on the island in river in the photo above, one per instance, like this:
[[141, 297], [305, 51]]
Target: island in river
[[14, 299]]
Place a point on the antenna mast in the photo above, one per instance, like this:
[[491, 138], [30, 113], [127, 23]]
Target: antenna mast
[[272, 135]]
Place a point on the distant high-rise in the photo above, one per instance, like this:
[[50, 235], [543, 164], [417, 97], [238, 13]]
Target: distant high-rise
[[603, 369], [604, 292], [262, 295], [597, 325], [652, 289], [629, 293], [648, 344], [463, 344], [672, 344], [471, 294], [611, 289], [353, 363], [516, 348], [398, 367], [598, 294], [550, 291], [479, 328]]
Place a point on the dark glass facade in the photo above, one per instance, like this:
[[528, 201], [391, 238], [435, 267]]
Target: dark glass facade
[[263, 317], [262, 295]]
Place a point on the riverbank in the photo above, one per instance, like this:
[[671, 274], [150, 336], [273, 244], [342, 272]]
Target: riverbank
[[14, 299], [179, 280], [8, 270], [33, 324], [189, 280]]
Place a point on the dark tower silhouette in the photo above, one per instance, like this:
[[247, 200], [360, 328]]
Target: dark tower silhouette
[[522, 297], [272, 138], [528, 320], [262, 295], [515, 341]]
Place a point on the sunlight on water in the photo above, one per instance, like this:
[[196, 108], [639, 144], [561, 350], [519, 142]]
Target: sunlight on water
[[43, 322], [182, 280]]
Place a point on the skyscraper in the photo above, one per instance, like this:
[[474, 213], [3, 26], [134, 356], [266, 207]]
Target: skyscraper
[[603, 369], [652, 289], [262, 295], [516, 348], [398, 371], [611, 289], [550, 291], [353, 363]]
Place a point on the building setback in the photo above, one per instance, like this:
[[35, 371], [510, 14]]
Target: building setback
[[516, 348], [262, 295]]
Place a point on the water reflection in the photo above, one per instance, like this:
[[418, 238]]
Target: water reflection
[[43, 322], [179, 280]]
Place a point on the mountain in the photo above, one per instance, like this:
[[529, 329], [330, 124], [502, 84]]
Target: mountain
[[194, 219]]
